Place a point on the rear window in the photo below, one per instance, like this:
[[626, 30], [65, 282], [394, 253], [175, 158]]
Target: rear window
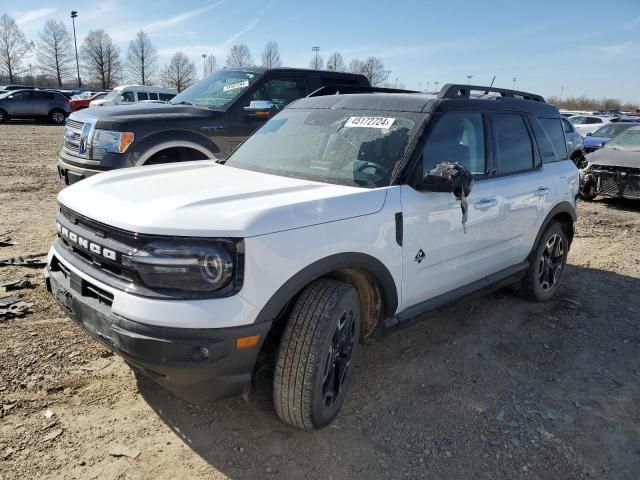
[[514, 151], [551, 141]]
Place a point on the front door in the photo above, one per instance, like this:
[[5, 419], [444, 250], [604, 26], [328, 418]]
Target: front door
[[21, 104], [439, 253]]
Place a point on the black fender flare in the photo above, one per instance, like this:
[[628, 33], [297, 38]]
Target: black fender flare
[[322, 267], [165, 139], [562, 207]]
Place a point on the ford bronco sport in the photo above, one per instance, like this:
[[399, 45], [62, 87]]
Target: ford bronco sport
[[343, 215], [207, 120]]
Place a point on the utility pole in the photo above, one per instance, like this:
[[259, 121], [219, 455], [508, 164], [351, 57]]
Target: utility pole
[[428, 85], [561, 92], [436, 86], [469, 77], [387, 74], [514, 83], [74, 14], [204, 65], [316, 50]]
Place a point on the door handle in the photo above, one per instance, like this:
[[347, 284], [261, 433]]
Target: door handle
[[541, 191], [485, 203]]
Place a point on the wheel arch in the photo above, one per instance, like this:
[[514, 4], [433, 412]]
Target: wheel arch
[[156, 143], [371, 278], [565, 213]]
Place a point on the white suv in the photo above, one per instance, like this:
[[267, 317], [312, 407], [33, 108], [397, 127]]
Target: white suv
[[341, 216]]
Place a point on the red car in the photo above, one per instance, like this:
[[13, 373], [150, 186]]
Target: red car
[[80, 103]]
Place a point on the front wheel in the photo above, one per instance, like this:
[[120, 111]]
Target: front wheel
[[545, 273], [315, 358]]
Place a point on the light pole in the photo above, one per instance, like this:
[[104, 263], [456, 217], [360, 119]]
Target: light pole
[[514, 83], [387, 74], [469, 77], [316, 50], [561, 92], [436, 86], [204, 65], [74, 14], [428, 85]]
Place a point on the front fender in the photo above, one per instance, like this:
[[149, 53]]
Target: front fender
[[166, 139]]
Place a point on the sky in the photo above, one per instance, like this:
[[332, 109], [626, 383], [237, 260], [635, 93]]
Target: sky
[[569, 47]]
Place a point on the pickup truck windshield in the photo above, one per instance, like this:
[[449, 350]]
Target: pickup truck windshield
[[344, 147], [217, 90]]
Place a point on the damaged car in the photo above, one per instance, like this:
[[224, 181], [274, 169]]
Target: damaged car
[[614, 170]]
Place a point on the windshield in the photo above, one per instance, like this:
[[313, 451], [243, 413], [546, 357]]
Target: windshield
[[343, 147], [217, 90], [611, 130], [629, 140], [113, 95]]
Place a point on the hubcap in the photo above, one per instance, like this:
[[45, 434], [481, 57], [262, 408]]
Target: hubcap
[[337, 364], [58, 117], [551, 262]]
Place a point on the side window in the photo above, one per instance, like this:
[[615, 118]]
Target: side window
[[166, 96], [21, 96], [143, 96], [281, 91], [554, 146], [568, 128], [593, 120], [457, 137], [128, 97], [153, 96], [514, 151]]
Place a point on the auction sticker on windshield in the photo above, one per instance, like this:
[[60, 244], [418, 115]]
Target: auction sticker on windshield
[[370, 122], [235, 86]]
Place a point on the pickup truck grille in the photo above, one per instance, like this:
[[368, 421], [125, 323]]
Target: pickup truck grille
[[73, 136]]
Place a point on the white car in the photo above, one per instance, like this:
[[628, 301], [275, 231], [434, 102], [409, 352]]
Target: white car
[[341, 216], [127, 94], [586, 124]]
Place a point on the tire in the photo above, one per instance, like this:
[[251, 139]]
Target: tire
[[3, 116], [316, 353], [57, 117], [544, 276]]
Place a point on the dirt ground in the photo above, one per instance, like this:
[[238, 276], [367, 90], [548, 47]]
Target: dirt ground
[[491, 389]]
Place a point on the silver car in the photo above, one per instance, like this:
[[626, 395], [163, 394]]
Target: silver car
[[51, 105], [574, 141]]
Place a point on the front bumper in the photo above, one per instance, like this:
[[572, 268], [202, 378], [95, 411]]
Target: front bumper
[[72, 169], [197, 365]]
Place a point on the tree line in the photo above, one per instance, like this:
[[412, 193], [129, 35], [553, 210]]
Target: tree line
[[594, 104], [103, 66]]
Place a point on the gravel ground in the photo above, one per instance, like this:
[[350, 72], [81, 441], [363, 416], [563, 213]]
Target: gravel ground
[[496, 388]]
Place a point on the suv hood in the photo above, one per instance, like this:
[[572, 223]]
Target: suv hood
[[204, 198], [609, 157]]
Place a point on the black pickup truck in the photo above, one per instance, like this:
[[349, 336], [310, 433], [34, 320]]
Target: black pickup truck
[[207, 120]]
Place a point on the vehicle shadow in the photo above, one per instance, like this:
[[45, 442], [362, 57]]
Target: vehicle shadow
[[43, 122], [623, 204], [468, 393]]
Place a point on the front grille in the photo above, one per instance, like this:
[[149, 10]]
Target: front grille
[[74, 124], [618, 181], [73, 135]]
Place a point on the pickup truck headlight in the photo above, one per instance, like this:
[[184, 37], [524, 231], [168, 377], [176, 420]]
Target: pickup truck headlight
[[187, 267], [108, 141]]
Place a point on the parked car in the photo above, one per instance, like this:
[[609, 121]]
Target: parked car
[[81, 102], [207, 120], [343, 215], [34, 104], [599, 138], [17, 87], [575, 146], [587, 124], [614, 170], [128, 94]]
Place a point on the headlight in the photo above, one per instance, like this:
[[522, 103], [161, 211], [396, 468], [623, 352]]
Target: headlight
[[109, 141], [189, 267]]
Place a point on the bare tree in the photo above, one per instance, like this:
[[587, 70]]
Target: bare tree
[[316, 63], [373, 69], [180, 73], [142, 59], [101, 59], [55, 51], [271, 55], [239, 56], [356, 66], [335, 62], [13, 48], [210, 65]]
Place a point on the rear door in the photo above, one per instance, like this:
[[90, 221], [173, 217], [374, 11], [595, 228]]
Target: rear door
[[42, 103]]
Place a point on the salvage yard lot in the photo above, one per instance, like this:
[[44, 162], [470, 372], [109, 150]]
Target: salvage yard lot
[[493, 388]]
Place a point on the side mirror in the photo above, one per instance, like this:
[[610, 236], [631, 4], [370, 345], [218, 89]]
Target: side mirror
[[589, 134], [260, 109], [448, 177]]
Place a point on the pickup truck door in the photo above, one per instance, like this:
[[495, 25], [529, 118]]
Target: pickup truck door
[[439, 253], [279, 89]]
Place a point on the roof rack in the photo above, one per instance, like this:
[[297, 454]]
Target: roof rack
[[463, 91], [345, 89]]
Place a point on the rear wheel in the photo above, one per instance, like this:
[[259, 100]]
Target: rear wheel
[[57, 116], [545, 273], [315, 358]]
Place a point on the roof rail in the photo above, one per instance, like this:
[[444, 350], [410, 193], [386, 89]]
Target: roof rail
[[345, 89], [451, 90]]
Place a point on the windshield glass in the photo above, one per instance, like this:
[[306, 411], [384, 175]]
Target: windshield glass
[[611, 129], [113, 95], [343, 147], [217, 90], [629, 140]]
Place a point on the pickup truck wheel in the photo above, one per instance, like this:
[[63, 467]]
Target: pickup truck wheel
[[544, 276], [57, 116], [316, 353]]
